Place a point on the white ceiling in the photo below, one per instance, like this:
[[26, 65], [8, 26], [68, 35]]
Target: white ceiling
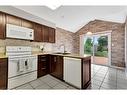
[[72, 18]]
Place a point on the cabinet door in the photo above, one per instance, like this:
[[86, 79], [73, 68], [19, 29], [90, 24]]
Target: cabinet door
[[45, 33], [56, 66], [86, 72], [51, 35], [2, 25], [37, 32], [13, 20], [27, 24], [3, 73], [53, 62], [60, 67]]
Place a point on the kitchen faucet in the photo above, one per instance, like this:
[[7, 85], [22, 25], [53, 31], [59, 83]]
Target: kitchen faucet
[[63, 46]]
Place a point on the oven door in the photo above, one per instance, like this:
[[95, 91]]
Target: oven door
[[18, 66], [31, 64]]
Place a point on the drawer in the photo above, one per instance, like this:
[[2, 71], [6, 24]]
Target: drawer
[[42, 56], [3, 60], [42, 60], [41, 64]]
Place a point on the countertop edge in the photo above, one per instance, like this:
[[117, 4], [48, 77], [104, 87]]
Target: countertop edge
[[64, 55]]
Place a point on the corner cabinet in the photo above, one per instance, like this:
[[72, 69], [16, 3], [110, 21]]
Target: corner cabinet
[[56, 66], [2, 25], [3, 73]]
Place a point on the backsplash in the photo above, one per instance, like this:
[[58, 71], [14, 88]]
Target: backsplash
[[35, 45], [62, 37]]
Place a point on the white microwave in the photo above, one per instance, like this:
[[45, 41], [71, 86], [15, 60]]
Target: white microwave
[[14, 31]]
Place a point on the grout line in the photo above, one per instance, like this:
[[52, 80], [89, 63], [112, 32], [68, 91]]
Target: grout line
[[116, 78], [31, 85], [46, 84], [103, 79]]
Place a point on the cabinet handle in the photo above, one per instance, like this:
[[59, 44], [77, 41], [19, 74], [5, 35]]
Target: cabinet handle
[[43, 68], [43, 60], [42, 56], [54, 59]]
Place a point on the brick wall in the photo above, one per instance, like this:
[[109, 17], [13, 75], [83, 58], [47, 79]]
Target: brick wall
[[117, 38], [64, 37]]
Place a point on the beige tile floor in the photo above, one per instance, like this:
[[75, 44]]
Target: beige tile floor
[[102, 78], [45, 82]]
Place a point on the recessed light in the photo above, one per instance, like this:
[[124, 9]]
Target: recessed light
[[53, 7]]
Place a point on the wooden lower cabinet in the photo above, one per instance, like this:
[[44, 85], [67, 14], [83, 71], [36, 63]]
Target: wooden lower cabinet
[[56, 66], [53, 65], [43, 65], [3, 73], [50, 64], [86, 72]]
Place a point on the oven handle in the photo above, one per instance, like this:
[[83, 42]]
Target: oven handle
[[13, 59], [18, 66]]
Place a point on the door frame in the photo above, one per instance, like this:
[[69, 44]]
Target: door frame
[[82, 37]]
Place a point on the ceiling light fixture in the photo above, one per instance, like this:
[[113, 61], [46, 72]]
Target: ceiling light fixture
[[89, 33], [53, 7]]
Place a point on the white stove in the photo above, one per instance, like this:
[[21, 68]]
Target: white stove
[[22, 65]]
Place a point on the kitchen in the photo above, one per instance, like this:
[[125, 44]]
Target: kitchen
[[37, 53], [21, 64]]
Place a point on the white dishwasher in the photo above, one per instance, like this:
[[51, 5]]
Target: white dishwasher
[[72, 71]]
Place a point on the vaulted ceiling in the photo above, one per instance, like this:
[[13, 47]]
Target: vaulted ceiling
[[72, 18]]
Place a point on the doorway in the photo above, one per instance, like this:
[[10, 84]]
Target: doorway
[[99, 47]]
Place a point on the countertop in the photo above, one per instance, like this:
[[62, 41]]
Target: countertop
[[64, 55], [2, 55]]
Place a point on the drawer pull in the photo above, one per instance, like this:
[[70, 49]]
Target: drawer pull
[[43, 60], [42, 56], [43, 68]]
